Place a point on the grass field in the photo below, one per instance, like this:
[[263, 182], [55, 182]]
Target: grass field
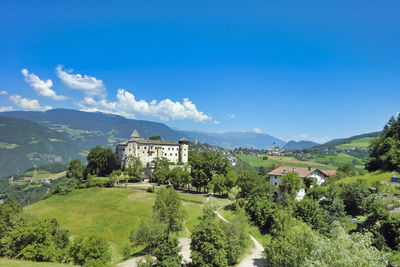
[[257, 162], [369, 178], [37, 176], [20, 263], [340, 159], [357, 143], [110, 212]]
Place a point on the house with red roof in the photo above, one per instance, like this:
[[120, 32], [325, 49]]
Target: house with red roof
[[319, 175]]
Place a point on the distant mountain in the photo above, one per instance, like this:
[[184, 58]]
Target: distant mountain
[[231, 140], [24, 143], [299, 145], [91, 129]]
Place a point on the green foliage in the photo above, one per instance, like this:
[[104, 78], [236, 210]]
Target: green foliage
[[101, 161], [348, 169], [92, 252], [161, 176], [385, 149], [75, 171], [155, 137], [353, 195], [290, 184], [160, 163], [168, 209], [209, 244], [167, 252], [311, 213], [261, 211], [149, 234], [251, 183], [237, 237], [204, 165], [135, 169], [29, 238], [300, 246]]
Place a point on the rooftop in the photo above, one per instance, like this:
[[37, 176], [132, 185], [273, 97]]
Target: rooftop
[[302, 172]]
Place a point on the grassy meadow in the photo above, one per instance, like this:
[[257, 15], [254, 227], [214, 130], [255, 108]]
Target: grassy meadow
[[357, 143], [110, 212], [21, 263], [339, 159], [257, 162]]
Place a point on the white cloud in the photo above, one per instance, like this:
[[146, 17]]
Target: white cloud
[[41, 87], [127, 106], [89, 85], [321, 139], [28, 104], [9, 108], [216, 122], [2, 92], [231, 116], [257, 130]]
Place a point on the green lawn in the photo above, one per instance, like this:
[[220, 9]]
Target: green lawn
[[257, 162], [20, 263], [339, 159], [369, 178], [357, 143], [110, 212]]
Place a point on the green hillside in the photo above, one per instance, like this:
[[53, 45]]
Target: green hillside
[[109, 212], [257, 162], [24, 144], [356, 143]]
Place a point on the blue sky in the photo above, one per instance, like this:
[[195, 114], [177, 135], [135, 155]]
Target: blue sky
[[313, 70]]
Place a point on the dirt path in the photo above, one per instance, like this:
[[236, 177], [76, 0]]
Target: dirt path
[[255, 255]]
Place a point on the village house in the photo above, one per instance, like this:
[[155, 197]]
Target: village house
[[275, 176], [148, 150]]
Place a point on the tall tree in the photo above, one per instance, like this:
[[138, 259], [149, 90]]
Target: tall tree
[[385, 149], [101, 161]]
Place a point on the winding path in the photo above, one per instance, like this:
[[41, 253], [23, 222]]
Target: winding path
[[255, 256]]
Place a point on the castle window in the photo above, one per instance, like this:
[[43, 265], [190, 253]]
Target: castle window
[[170, 154], [176, 154]]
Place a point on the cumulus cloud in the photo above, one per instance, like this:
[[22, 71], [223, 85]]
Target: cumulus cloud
[[8, 108], [41, 87], [257, 130], [28, 104], [127, 106], [91, 86], [321, 139], [2, 92], [216, 122], [231, 116]]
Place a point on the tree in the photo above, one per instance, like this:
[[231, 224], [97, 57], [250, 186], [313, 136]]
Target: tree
[[93, 251], [167, 252], [311, 213], [385, 149], [160, 163], [168, 209], [236, 233], [75, 171], [135, 169], [262, 171], [251, 183], [101, 161], [347, 169], [155, 137], [290, 184], [218, 183], [208, 243], [352, 196], [161, 176]]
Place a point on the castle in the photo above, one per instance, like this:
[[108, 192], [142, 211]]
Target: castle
[[148, 150]]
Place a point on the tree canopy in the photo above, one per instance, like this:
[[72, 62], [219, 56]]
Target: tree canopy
[[385, 149]]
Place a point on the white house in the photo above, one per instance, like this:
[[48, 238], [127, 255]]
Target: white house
[[319, 175]]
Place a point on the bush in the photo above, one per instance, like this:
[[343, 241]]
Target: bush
[[92, 252]]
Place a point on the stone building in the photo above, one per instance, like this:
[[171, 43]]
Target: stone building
[[148, 150]]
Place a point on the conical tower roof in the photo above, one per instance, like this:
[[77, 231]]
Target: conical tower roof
[[135, 134]]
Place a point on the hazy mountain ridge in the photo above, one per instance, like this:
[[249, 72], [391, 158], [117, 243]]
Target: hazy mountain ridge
[[299, 145], [91, 129], [24, 143]]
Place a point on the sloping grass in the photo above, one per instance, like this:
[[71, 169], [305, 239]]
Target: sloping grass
[[110, 212], [257, 162], [20, 263], [357, 143], [339, 159], [369, 178]]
